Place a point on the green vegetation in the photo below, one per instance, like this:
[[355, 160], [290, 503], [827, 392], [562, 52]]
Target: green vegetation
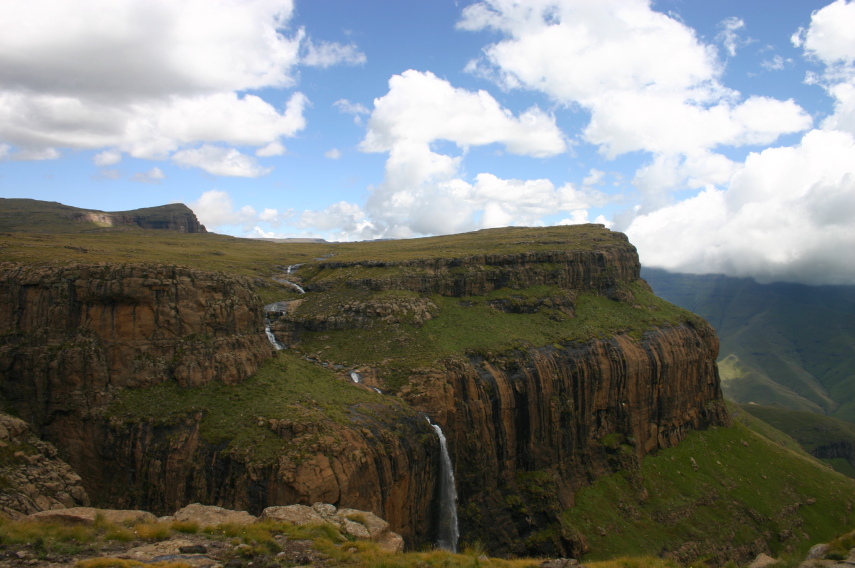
[[471, 325], [721, 489], [814, 433], [285, 388], [781, 344]]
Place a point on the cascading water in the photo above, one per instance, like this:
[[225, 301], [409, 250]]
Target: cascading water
[[276, 343], [289, 270], [448, 531], [355, 377]]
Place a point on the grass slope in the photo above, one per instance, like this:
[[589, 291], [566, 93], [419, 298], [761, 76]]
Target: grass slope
[[811, 431], [794, 345], [717, 491]]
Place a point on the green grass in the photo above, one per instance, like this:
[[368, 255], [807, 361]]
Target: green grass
[[285, 388], [471, 325], [812, 431], [744, 486]]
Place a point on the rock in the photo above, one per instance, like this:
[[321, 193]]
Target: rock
[[209, 515], [87, 515], [762, 561], [390, 542], [294, 514], [374, 525], [817, 551]]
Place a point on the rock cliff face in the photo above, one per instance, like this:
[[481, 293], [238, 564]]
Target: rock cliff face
[[72, 337], [384, 461], [530, 429], [526, 425]]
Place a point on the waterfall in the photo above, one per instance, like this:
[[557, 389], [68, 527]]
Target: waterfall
[[448, 531], [355, 377], [272, 338]]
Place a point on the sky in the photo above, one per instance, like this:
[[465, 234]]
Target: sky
[[719, 136]]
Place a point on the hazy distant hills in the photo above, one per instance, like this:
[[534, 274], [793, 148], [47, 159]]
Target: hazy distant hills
[[786, 345]]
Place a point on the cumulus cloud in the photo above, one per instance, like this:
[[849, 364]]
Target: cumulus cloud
[[420, 108], [788, 214], [220, 161], [424, 191], [333, 154], [215, 208], [829, 37], [151, 79], [646, 79]]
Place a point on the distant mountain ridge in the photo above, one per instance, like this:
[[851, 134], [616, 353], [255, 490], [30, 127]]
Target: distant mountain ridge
[[782, 344], [31, 215]]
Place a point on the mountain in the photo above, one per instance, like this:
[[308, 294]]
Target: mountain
[[787, 345], [30, 215], [520, 366]]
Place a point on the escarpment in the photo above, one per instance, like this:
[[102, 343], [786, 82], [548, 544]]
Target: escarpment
[[543, 357]]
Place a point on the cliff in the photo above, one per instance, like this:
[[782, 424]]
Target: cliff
[[540, 353]]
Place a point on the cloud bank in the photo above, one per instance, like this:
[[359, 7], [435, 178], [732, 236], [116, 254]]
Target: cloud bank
[[154, 79]]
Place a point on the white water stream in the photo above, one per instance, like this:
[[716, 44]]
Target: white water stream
[[448, 532]]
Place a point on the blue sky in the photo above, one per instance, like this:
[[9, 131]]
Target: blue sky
[[717, 135]]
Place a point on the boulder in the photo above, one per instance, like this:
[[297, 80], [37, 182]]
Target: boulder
[[294, 514], [210, 515]]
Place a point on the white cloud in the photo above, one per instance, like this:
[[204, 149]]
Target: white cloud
[[777, 63], [829, 37], [272, 149], [788, 214], [355, 109], [420, 108], [333, 154], [220, 161], [646, 79], [154, 175], [107, 158], [215, 209], [423, 191], [728, 35], [327, 54], [150, 78]]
